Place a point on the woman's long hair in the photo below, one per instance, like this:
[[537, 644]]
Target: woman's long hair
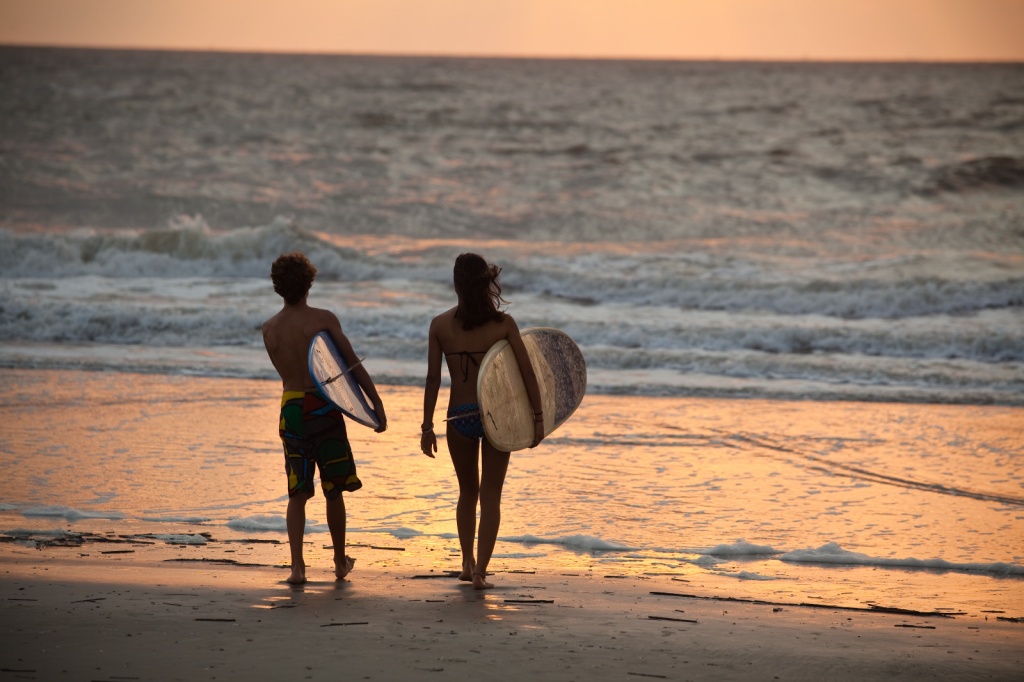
[[476, 283]]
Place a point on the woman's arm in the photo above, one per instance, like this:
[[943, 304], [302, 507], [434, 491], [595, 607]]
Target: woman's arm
[[529, 379], [428, 440]]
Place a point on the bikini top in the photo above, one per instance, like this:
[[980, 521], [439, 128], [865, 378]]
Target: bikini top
[[464, 358]]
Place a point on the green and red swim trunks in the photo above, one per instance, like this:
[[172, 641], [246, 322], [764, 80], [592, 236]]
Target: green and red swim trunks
[[314, 436]]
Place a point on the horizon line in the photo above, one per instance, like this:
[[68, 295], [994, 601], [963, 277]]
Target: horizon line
[[533, 57]]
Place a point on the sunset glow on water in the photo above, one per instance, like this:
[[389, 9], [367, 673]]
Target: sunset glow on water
[[797, 288], [912, 506]]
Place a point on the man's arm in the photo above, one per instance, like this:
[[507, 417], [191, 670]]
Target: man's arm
[[358, 371], [270, 347]]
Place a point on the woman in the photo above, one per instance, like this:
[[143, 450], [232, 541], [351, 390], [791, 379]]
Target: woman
[[463, 335]]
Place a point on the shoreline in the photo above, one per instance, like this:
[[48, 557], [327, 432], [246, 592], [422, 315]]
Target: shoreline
[[125, 617], [240, 363], [787, 502]]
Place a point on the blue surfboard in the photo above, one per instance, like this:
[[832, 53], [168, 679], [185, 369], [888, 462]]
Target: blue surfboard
[[333, 377]]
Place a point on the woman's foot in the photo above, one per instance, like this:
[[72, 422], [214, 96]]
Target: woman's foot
[[467, 571], [480, 581], [343, 568], [298, 575]]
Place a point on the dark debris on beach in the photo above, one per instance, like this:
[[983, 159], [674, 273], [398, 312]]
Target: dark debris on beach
[[72, 539], [873, 608]]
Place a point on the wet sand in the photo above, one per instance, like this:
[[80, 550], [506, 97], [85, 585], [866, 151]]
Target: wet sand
[[117, 614], [118, 598]]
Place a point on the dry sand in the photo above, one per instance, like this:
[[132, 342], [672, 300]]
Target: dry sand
[[69, 615]]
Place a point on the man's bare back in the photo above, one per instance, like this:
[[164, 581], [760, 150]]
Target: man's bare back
[[287, 336]]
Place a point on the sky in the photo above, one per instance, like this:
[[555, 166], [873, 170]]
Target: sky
[[919, 30]]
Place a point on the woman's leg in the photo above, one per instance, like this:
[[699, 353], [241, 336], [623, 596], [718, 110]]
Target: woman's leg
[[464, 456], [495, 466]]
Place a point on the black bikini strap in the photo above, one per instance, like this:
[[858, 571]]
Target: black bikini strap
[[464, 357]]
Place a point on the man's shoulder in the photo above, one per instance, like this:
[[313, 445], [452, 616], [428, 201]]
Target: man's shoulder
[[320, 313], [270, 322]]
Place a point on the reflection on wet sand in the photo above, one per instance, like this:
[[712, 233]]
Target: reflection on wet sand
[[848, 504]]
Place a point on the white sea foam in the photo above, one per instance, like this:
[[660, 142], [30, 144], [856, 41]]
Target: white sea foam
[[40, 532], [70, 514], [181, 539], [740, 548], [192, 251], [832, 553], [576, 542], [259, 523], [404, 532], [518, 555], [272, 523], [399, 532], [154, 295], [747, 575], [176, 519]]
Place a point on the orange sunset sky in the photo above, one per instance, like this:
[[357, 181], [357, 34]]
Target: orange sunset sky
[[957, 30]]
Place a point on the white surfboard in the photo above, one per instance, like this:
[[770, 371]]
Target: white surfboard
[[333, 377], [504, 405]]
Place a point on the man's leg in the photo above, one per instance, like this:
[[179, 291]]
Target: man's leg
[[336, 523], [296, 524]]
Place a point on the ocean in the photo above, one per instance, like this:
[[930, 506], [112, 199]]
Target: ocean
[[727, 242]]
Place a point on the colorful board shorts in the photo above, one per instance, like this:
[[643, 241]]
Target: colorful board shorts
[[314, 436], [466, 420]]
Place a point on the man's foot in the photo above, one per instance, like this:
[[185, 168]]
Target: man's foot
[[298, 575], [480, 581], [343, 568], [467, 572]]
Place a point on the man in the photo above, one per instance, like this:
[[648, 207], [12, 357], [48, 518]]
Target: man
[[311, 428]]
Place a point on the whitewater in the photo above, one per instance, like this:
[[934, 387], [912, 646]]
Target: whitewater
[[820, 231]]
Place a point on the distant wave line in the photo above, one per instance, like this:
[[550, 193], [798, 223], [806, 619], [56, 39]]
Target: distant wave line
[[826, 466], [874, 477]]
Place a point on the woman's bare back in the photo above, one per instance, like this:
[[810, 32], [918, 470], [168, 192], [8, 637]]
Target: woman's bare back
[[464, 349]]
